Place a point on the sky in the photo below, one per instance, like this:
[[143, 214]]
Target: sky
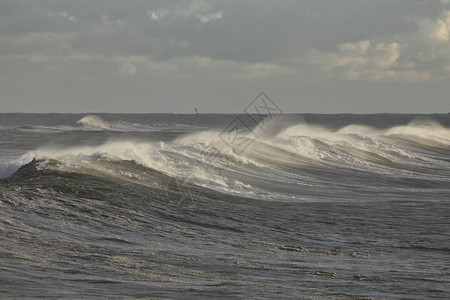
[[308, 56]]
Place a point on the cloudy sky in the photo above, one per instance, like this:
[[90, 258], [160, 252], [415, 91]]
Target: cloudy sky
[[325, 56]]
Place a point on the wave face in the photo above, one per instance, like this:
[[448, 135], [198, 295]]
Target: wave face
[[158, 205]]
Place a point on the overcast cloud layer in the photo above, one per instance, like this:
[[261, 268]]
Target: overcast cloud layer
[[169, 56]]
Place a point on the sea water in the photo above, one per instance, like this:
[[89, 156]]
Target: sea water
[[185, 206]]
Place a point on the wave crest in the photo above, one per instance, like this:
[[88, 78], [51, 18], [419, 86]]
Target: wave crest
[[301, 154], [94, 122]]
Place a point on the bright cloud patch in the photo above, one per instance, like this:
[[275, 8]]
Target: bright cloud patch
[[418, 56], [210, 17], [366, 61], [441, 28]]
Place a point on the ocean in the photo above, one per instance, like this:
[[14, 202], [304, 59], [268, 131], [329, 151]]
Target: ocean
[[178, 206]]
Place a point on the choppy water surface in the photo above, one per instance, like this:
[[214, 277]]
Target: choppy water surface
[[314, 207]]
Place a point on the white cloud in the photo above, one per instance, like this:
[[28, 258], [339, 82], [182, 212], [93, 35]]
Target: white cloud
[[210, 17], [421, 55], [186, 10], [435, 30], [158, 14], [440, 29], [153, 16], [364, 61]]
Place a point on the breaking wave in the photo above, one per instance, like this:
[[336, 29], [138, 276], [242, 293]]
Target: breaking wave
[[299, 160], [93, 122]]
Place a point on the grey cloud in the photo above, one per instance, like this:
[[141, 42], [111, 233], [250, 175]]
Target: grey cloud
[[246, 29], [151, 47]]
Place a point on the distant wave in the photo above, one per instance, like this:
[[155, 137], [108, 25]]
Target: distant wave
[[93, 122]]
